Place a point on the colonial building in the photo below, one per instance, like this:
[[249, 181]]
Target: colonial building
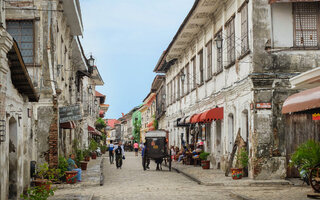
[[227, 71], [147, 115], [44, 75], [159, 87]]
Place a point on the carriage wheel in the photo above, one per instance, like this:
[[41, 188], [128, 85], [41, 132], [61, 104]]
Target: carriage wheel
[[314, 178], [144, 162]]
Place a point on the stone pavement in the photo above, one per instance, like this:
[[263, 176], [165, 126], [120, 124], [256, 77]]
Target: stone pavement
[[212, 177], [90, 178], [131, 182]]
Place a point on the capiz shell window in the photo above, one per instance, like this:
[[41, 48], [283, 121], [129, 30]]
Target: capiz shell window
[[22, 31]]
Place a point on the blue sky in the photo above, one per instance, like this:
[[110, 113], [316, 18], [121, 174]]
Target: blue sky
[[127, 37]]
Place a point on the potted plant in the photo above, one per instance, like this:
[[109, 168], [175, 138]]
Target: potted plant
[[63, 167], [42, 174], [86, 155], [305, 158], [204, 162], [37, 192], [242, 162], [100, 124], [103, 149], [93, 147]]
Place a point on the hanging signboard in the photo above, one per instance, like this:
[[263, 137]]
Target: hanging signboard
[[70, 113], [316, 116]]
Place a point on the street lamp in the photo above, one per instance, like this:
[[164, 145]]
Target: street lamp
[[182, 76], [96, 102], [218, 41], [90, 89], [91, 61], [163, 96]]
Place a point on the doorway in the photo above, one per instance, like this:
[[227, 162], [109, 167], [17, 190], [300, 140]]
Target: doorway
[[218, 145], [13, 160], [230, 132]]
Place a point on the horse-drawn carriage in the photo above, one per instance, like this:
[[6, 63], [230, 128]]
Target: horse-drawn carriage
[[156, 148]]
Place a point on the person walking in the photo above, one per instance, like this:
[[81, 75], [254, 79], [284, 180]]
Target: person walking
[[136, 148], [119, 152], [111, 155]]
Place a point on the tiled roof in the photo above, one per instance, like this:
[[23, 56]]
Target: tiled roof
[[98, 94], [112, 122]]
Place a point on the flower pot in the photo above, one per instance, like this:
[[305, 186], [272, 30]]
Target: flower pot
[[43, 183], [205, 164], [94, 155], [236, 173], [83, 165], [87, 158], [71, 177]]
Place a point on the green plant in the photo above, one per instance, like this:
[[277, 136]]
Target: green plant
[[79, 157], [242, 158], [38, 193], [93, 145], [136, 130], [155, 123], [100, 124], [42, 170], [306, 156], [86, 153], [103, 148], [204, 155], [63, 165]]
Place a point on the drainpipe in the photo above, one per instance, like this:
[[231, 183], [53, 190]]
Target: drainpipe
[[49, 50]]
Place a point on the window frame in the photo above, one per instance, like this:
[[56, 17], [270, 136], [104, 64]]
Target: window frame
[[295, 30], [219, 54], [209, 60], [243, 10], [230, 38], [194, 72], [33, 37], [201, 67]]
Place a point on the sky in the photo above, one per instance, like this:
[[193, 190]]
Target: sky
[[127, 38]]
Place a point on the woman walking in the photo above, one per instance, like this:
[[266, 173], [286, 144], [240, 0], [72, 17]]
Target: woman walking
[[136, 148]]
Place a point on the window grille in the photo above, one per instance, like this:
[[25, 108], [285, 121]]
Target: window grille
[[306, 16], [201, 66], [244, 29], [209, 60], [219, 54], [182, 83], [230, 42], [188, 77], [194, 72], [178, 87], [22, 32]]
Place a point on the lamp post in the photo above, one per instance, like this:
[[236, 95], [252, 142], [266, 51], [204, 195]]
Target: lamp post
[[182, 76], [219, 41], [96, 102], [90, 90], [91, 61]]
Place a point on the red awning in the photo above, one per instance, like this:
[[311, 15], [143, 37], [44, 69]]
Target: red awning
[[213, 114], [289, 1], [305, 100], [195, 118], [93, 131], [68, 125]]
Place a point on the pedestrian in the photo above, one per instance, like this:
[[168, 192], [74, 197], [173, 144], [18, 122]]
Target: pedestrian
[[111, 155], [148, 159], [136, 148], [119, 152], [73, 167]]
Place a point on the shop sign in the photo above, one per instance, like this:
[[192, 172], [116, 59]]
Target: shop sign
[[263, 105], [70, 113], [316, 116]]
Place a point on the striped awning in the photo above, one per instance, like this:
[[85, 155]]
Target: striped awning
[[68, 125]]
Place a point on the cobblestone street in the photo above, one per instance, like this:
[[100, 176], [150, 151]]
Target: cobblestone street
[[131, 182]]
